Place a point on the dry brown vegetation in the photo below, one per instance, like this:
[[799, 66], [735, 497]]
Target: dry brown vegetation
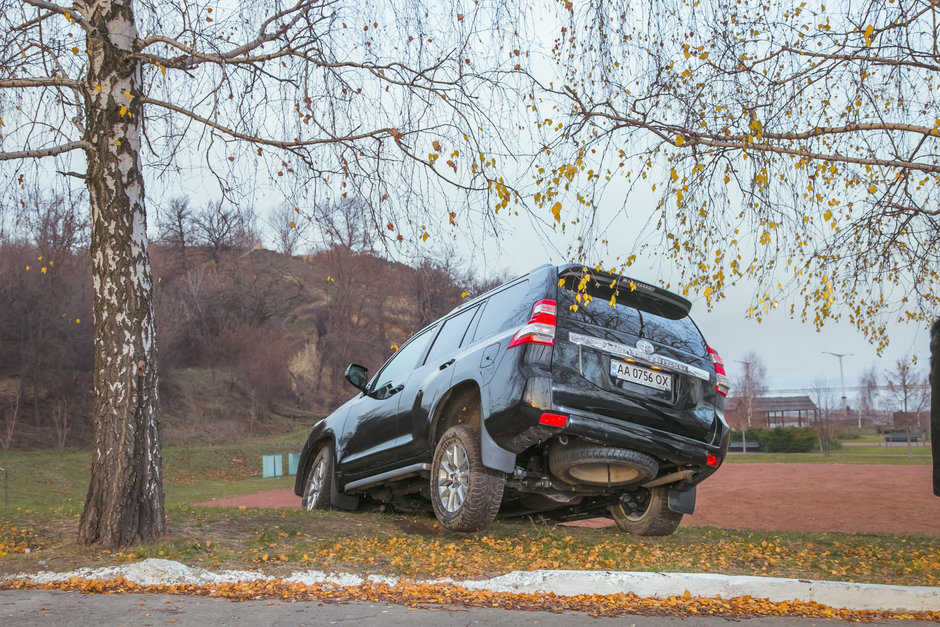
[[248, 338]]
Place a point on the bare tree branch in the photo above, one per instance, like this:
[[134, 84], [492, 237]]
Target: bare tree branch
[[240, 53], [377, 134], [44, 152], [41, 81], [71, 16]]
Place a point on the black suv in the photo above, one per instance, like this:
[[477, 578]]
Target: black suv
[[565, 393]]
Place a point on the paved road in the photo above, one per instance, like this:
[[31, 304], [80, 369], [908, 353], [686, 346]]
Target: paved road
[[40, 608]]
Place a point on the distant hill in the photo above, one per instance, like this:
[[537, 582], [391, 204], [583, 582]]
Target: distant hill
[[250, 340]]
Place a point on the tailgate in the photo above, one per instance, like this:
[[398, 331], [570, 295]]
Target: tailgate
[[632, 353]]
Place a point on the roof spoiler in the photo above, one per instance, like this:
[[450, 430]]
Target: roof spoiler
[[678, 306]]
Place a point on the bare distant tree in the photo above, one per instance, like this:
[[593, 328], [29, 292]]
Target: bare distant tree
[[344, 225], [868, 397], [824, 422], [290, 227], [747, 387], [42, 287], [59, 230], [220, 226], [62, 422], [7, 430], [910, 392], [904, 384], [433, 292], [11, 412], [176, 224]]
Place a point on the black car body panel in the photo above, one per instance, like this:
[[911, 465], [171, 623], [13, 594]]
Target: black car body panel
[[629, 373]]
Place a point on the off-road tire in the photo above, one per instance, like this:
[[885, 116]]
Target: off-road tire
[[318, 493], [589, 464], [656, 519], [484, 486]]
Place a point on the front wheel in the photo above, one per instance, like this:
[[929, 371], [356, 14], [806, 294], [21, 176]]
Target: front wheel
[[319, 480], [465, 494], [652, 517]]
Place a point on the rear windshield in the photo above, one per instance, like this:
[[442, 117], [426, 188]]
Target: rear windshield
[[633, 312]]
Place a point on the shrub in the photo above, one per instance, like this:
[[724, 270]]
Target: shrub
[[787, 439], [849, 434]]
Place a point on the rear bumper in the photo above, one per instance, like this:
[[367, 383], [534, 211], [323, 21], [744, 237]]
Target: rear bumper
[[682, 451], [686, 453]]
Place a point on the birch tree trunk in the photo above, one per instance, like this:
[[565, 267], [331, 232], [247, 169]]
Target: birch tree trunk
[[124, 505], [935, 402]]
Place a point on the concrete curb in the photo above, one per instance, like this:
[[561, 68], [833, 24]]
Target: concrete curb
[[838, 594]]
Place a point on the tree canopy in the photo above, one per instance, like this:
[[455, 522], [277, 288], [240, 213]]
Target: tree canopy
[[795, 146]]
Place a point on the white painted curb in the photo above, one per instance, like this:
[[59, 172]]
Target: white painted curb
[[838, 594]]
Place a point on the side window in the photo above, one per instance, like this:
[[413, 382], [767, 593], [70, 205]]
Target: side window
[[506, 309], [403, 362], [451, 335]]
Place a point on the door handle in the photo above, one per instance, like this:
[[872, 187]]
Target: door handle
[[447, 363]]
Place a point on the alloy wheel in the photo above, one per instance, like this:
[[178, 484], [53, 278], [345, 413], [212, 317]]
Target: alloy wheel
[[315, 485], [453, 477]]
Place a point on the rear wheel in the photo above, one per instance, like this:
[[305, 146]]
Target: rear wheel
[[466, 495], [319, 480], [652, 517]]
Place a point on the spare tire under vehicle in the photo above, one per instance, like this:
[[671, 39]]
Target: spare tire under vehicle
[[583, 463]]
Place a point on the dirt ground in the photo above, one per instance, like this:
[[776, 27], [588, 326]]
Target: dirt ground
[[781, 497]]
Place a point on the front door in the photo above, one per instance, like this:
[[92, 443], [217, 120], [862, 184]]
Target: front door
[[372, 435]]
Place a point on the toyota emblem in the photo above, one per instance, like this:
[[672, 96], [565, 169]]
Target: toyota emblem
[[645, 346]]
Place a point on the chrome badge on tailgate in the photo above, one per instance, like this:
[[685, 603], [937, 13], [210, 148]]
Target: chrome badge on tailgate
[[622, 350]]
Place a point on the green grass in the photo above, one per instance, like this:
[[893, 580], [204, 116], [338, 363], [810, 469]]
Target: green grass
[[192, 474], [862, 454]]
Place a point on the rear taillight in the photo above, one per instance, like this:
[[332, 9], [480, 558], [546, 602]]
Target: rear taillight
[[541, 326], [553, 420], [722, 387]]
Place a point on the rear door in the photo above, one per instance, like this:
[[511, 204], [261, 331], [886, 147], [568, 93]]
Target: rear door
[[430, 380], [629, 351]]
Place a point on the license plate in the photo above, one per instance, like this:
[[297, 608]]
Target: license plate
[[638, 374]]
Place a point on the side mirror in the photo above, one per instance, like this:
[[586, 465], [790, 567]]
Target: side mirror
[[357, 375]]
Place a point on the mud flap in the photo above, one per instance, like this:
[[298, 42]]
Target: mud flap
[[495, 456], [682, 501], [341, 500]]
